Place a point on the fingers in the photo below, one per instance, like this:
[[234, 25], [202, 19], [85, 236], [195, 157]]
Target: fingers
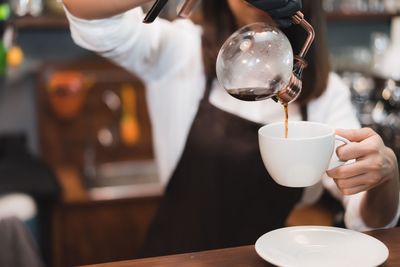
[[287, 11], [354, 190], [364, 142], [284, 23], [374, 165], [349, 170], [374, 162], [280, 10], [357, 183], [356, 135], [268, 4], [353, 151], [359, 176]]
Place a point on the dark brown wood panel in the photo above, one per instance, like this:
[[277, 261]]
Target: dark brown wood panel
[[64, 142], [102, 231], [44, 21], [84, 230]]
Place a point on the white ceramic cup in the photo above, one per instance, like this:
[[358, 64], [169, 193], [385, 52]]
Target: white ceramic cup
[[301, 159]]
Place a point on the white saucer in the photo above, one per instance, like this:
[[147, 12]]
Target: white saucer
[[309, 246]]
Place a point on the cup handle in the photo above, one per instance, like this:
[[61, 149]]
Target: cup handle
[[337, 162]]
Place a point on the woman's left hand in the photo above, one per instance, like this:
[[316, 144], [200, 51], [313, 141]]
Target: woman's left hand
[[280, 10], [374, 163]]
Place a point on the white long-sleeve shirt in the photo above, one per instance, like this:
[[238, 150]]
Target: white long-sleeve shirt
[[167, 56]]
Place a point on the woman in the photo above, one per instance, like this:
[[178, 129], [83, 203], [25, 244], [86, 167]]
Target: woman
[[218, 192]]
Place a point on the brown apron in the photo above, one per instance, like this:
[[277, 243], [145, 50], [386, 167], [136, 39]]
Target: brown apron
[[220, 194]]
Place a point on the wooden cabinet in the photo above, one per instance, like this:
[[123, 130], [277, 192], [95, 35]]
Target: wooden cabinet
[[100, 231], [85, 229]]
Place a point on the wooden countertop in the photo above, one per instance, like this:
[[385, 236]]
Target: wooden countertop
[[246, 255]]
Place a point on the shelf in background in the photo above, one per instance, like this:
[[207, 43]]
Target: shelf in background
[[45, 21], [365, 16], [59, 21]]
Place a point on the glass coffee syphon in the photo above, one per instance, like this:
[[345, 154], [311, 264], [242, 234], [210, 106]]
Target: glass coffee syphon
[[256, 63]]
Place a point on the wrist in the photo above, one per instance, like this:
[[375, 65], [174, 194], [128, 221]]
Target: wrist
[[384, 195]]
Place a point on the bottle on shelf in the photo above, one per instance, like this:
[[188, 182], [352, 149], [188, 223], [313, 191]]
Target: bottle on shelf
[[4, 15], [387, 66]]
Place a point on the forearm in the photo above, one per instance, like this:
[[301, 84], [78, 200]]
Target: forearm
[[97, 9], [380, 204]]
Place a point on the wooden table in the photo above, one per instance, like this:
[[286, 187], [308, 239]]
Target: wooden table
[[246, 256]]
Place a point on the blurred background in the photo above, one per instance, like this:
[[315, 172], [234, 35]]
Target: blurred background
[[78, 182]]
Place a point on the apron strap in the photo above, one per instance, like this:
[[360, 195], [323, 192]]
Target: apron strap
[[208, 89], [304, 113]]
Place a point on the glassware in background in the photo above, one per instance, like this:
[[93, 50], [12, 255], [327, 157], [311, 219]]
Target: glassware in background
[[379, 44], [389, 110], [361, 6], [27, 7], [376, 6], [67, 92], [392, 6], [377, 104], [4, 16], [35, 7], [330, 5], [387, 65], [362, 91], [353, 6], [108, 135], [54, 6], [373, 73], [352, 58], [129, 126]]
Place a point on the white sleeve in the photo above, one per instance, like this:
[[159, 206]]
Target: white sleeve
[[145, 49], [334, 106], [353, 219], [167, 56], [352, 204], [17, 205]]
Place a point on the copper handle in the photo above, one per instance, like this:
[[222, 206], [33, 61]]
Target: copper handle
[[292, 91], [298, 18], [154, 11], [187, 7]]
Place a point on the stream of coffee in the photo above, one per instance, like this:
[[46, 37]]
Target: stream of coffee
[[286, 108]]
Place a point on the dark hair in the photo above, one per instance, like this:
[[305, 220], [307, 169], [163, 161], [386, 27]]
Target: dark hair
[[219, 23]]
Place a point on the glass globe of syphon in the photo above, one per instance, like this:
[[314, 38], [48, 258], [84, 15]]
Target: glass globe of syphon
[[255, 62]]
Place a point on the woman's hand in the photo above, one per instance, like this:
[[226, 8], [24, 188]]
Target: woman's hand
[[375, 163], [375, 171], [280, 10]]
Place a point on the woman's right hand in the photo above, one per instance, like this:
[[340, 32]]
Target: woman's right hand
[[280, 10]]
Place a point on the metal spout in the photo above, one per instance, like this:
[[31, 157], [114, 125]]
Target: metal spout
[[290, 92]]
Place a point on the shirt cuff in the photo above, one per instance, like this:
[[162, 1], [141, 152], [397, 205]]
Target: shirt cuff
[[103, 35], [17, 205], [353, 219]]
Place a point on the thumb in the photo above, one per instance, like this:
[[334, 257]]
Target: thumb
[[355, 135]]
